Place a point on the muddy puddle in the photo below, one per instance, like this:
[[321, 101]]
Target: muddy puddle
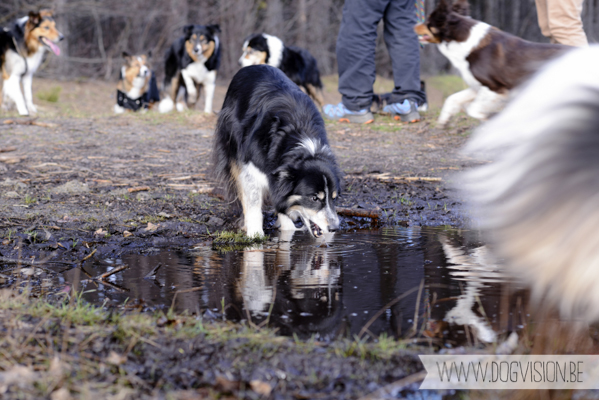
[[404, 282]]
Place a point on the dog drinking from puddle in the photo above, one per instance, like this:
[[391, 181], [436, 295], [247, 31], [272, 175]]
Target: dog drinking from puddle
[[270, 143], [137, 87]]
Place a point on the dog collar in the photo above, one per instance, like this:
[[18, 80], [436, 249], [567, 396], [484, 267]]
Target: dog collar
[[131, 104]]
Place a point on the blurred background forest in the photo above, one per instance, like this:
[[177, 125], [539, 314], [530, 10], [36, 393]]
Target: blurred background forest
[[98, 31]]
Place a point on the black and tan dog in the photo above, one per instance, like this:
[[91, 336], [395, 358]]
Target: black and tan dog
[[191, 62], [271, 143], [137, 87], [22, 48]]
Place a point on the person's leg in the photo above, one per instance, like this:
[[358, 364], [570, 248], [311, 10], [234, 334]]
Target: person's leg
[[543, 17], [356, 45], [404, 50], [565, 22]]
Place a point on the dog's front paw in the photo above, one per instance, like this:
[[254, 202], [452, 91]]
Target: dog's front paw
[[442, 124], [118, 109], [32, 108], [166, 105]]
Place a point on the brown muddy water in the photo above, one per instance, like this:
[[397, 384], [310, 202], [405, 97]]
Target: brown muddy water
[[404, 282]]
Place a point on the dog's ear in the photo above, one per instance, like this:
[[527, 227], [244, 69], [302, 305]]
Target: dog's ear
[[188, 30], [284, 177], [461, 7], [213, 29], [34, 18]]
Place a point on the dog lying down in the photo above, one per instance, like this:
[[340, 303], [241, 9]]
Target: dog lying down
[[271, 143], [538, 201]]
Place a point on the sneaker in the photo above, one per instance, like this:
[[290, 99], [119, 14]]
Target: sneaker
[[340, 113], [406, 111]]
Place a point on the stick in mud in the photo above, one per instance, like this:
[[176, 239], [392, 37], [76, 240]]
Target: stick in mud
[[357, 212]]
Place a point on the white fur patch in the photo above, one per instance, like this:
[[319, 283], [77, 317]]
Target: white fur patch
[[166, 105], [314, 146], [457, 52], [252, 185], [275, 48]]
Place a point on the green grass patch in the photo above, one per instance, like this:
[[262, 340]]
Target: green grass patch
[[232, 241], [446, 84], [50, 95]]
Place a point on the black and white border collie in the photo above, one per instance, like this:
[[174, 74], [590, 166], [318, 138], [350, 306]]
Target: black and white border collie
[[136, 89], [537, 200], [298, 64], [490, 61], [22, 49], [191, 62], [271, 143]]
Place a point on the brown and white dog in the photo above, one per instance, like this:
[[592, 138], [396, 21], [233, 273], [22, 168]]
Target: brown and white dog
[[22, 48], [137, 87], [490, 61]]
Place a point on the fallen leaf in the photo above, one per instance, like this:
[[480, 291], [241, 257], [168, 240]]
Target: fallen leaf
[[17, 375], [100, 232], [115, 359], [226, 385], [127, 234], [61, 394], [261, 387], [151, 227]]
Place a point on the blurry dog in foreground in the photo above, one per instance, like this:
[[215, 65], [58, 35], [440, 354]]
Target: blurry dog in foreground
[[490, 61], [538, 200], [137, 87], [22, 49], [271, 143]]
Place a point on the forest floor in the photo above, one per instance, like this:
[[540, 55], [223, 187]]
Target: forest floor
[[78, 181]]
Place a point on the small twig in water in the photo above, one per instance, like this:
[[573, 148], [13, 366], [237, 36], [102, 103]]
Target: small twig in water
[[109, 273], [87, 257], [152, 273]]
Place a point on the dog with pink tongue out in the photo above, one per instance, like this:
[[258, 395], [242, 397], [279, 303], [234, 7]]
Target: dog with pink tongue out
[[22, 49]]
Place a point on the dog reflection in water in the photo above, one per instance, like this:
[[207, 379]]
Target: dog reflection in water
[[312, 278]]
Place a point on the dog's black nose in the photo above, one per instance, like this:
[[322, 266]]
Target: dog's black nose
[[60, 37]]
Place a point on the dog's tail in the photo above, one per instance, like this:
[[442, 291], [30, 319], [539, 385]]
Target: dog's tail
[[538, 198]]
